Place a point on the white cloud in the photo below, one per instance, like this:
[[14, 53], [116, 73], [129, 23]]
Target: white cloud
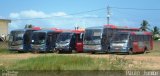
[[28, 14], [55, 19], [14, 15], [59, 14], [35, 14]]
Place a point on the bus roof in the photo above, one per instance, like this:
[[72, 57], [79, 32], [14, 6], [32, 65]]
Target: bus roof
[[77, 31], [96, 27], [57, 30], [114, 27], [73, 31], [36, 28], [137, 33], [45, 31], [120, 27]]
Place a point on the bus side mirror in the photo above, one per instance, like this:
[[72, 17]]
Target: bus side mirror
[[101, 36], [81, 36], [130, 39]]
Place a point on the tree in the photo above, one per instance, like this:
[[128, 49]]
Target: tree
[[155, 32], [28, 26], [144, 25]]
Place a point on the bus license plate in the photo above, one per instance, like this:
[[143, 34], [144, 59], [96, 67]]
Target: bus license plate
[[117, 49]]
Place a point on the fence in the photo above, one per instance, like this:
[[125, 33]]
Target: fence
[[3, 45]]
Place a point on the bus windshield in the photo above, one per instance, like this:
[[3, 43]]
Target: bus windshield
[[64, 37], [120, 37], [39, 38], [16, 37], [92, 36]]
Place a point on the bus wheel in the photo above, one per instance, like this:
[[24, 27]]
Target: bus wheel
[[59, 51], [130, 52], [20, 52], [70, 51], [93, 52], [53, 50], [145, 50], [35, 51]]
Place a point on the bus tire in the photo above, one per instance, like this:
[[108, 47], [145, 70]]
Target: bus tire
[[59, 51], [130, 52], [70, 52], [145, 50], [93, 52], [53, 50], [20, 51], [35, 51]]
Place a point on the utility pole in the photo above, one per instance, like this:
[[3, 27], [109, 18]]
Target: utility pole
[[108, 15]]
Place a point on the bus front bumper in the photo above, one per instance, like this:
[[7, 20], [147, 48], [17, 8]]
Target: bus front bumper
[[38, 48], [16, 48], [118, 50], [63, 49], [92, 48]]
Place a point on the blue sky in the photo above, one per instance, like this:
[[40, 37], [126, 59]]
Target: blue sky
[[59, 10]]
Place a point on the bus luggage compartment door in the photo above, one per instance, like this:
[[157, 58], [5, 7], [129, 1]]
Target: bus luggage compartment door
[[135, 47]]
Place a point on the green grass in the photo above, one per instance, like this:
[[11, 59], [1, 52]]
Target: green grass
[[60, 62], [56, 63], [6, 51], [4, 48]]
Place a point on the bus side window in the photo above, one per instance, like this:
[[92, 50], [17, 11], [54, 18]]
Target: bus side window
[[134, 37], [131, 38]]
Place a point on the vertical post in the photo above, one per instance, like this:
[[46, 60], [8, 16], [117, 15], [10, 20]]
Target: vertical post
[[76, 27], [108, 15]]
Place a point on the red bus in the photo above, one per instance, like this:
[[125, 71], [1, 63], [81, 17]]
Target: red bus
[[97, 39], [131, 42], [69, 41]]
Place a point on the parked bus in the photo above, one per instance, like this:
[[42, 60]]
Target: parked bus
[[131, 42], [69, 41], [20, 39], [44, 40], [97, 39]]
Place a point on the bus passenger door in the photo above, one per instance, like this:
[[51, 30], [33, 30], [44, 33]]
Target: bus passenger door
[[49, 42], [79, 43]]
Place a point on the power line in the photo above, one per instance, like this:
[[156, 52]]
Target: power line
[[88, 12], [63, 15], [136, 9]]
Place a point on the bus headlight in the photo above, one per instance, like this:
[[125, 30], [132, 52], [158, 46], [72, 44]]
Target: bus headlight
[[66, 45], [124, 45], [21, 47], [98, 47]]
